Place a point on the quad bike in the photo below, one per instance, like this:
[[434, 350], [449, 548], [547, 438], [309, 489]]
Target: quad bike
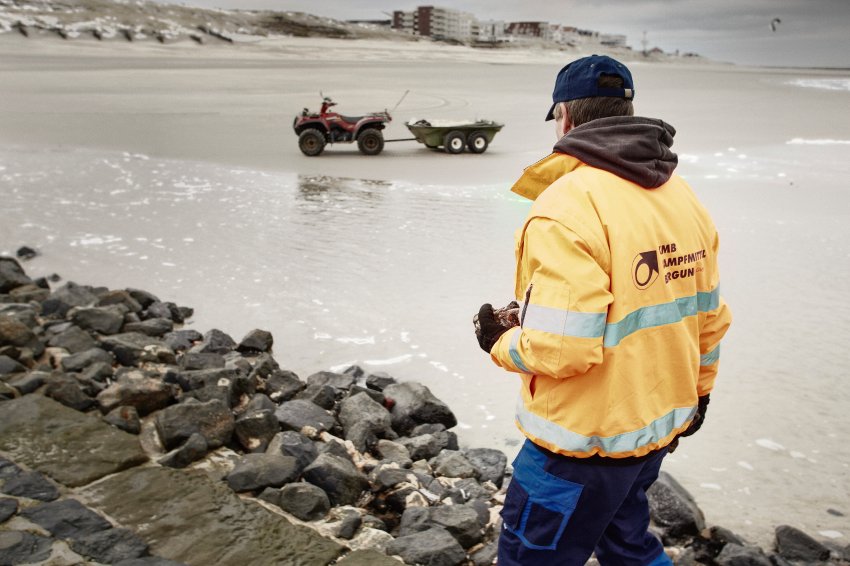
[[314, 131]]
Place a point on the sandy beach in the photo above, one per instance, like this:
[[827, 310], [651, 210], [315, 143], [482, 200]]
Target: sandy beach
[[174, 168]]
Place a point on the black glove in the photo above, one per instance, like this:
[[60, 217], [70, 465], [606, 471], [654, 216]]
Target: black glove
[[488, 330], [699, 418]]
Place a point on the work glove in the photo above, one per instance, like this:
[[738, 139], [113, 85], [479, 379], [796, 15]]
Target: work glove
[[699, 418], [488, 329]]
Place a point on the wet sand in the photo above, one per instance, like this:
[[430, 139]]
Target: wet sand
[[175, 168]]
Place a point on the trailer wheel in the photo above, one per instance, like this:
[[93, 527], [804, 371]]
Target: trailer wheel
[[370, 141], [477, 142], [311, 142], [454, 142]]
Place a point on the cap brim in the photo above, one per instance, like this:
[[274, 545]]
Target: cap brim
[[551, 114]]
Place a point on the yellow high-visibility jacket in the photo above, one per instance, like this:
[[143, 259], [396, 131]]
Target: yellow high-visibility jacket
[[621, 314]]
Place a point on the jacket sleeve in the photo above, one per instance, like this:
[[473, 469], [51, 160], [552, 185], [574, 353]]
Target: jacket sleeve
[[564, 308], [715, 318]]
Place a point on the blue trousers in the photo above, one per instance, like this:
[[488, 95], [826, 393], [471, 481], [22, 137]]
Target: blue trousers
[[558, 511]]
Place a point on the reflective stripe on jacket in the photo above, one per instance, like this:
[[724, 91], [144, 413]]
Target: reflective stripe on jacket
[[622, 315]]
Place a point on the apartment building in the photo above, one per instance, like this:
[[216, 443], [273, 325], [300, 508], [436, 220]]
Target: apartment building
[[439, 23]]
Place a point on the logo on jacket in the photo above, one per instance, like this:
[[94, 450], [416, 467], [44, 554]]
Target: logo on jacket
[[645, 269]]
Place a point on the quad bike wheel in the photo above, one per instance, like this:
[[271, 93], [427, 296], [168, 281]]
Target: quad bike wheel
[[370, 142], [477, 142], [454, 142], [311, 142]]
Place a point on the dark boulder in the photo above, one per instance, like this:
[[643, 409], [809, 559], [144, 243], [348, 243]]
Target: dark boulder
[[321, 395], [110, 546], [226, 385], [260, 402], [393, 451], [739, 555], [339, 381], [201, 361], [144, 298], [794, 544], [338, 478], [489, 464], [66, 297], [379, 381], [182, 340], [414, 520], [74, 339], [486, 555], [348, 520], [255, 429], [304, 500], [256, 341], [360, 411], [67, 518], [190, 451], [256, 471], [121, 298], [9, 366], [132, 348], [103, 320], [27, 293], [14, 332], [673, 509], [177, 423], [151, 327], [98, 371], [298, 413], [453, 464], [214, 342], [82, 360], [435, 547], [26, 253], [135, 388], [67, 391], [283, 385], [414, 404], [12, 275], [8, 508], [423, 447], [291, 443], [460, 520], [125, 418], [30, 484], [20, 547]]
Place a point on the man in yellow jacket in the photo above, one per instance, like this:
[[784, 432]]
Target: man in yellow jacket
[[619, 330]]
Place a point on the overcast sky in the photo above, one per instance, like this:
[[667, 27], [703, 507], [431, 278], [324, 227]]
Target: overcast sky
[[812, 32]]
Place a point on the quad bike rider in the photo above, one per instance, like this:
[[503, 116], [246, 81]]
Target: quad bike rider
[[316, 130]]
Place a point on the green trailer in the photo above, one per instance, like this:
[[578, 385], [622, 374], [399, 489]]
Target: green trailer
[[454, 137]]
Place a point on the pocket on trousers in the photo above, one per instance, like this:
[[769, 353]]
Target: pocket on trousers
[[539, 518]]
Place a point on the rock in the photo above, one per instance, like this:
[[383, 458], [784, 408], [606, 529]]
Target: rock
[[223, 384], [414, 520], [19, 547], [26, 253], [360, 411], [144, 298], [336, 380], [163, 310], [423, 447], [30, 484], [201, 361], [148, 561], [110, 546], [151, 327], [794, 544], [11, 275], [415, 404], [255, 429], [66, 297], [453, 464], [304, 500], [29, 382], [738, 555], [122, 298], [379, 381], [8, 508], [260, 402], [386, 477], [435, 547], [322, 395], [338, 478], [98, 371], [200, 521], [182, 340], [74, 339], [8, 392], [349, 521], [191, 451], [70, 447], [393, 452], [125, 418], [298, 413], [256, 471], [137, 389], [376, 541], [291, 443], [104, 320], [213, 420], [9, 366], [256, 341], [485, 556], [489, 463], [372, 522], [27, 293], [467, 490], [460, 520], [283, 385], [673, 509], [214, 342], [67, 518], [80, 361], [376, 396], [15, 333], [67, 391], [131, 348]]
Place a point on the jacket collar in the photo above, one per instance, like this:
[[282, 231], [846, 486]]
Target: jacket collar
[[535, 178]]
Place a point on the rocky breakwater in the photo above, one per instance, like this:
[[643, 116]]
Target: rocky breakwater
[[196, 448]]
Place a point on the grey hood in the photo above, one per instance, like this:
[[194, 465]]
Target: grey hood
[[633, 148]]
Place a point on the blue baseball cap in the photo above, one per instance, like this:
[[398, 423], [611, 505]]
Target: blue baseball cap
[[580, 79]]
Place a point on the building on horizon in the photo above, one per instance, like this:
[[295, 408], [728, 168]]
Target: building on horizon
[[437, 23]]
